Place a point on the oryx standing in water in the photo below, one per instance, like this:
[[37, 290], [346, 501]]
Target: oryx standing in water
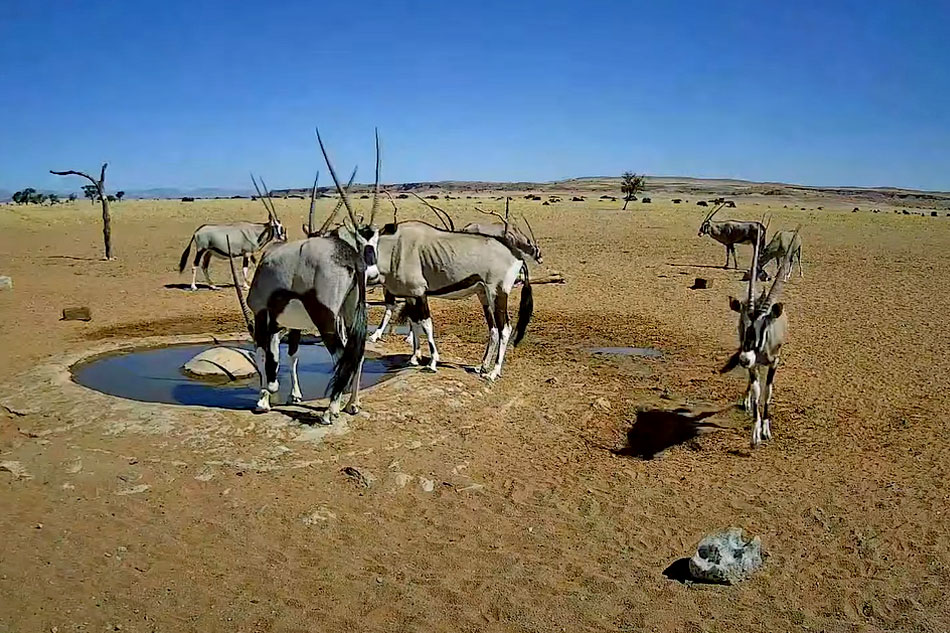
[[732, 232], [763, 326], [783, 244], [418, 261], [246, 239], [317, 283]]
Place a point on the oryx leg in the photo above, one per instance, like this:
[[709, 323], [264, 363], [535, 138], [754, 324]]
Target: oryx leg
[[493, 338], [728, 249], [801, 273], [204, 269], [502, 323], [194, 268], [754, 391], [293, 346], [430, 336], [267, 335], [414, 313], [766, 422], [327, 325], [247, 282], [390, 301]]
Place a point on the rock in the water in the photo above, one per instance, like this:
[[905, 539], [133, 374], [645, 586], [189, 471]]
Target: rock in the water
[[6, 283], [726, 557], [77, 314], [221, 362]]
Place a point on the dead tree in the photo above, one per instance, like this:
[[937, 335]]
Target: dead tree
[[101, 193]]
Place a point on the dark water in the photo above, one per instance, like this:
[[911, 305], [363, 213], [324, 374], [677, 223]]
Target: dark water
[[645, 352], [155, 375]]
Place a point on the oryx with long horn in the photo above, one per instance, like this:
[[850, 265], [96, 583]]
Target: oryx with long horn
[[514, 239], [732, 232], [317, 283], [418, 261], [246, 239], [763, 326]]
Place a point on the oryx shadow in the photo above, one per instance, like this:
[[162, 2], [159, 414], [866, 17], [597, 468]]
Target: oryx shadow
[[656, 430], [201, 286], [677, 265]]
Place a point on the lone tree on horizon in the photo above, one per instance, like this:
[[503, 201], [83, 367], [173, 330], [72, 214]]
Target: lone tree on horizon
[[100, 186], [632, 185]]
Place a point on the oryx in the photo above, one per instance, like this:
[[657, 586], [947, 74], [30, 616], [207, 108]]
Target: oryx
[[732, 232], [514, 239], [763, 326], [317, 283], [509, 233], [246, 239], [782, 244], [417, 261]]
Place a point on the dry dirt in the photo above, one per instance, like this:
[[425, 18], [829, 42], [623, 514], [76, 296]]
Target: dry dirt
[[500, 507]]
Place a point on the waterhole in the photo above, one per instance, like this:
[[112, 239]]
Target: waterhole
[[155, 375]]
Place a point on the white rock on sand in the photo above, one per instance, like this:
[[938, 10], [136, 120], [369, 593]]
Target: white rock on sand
[[221, 362]]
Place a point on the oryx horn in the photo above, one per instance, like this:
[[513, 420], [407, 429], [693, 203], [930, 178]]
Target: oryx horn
[[339, 203], [444, 217], [336, 181], [372, 214], [313, 203], [245, 310]]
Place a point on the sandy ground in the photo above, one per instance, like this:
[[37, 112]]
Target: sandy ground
[[498, 507]]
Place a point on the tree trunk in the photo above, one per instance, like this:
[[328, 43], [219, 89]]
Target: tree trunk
[[625, 202], [106, 226]]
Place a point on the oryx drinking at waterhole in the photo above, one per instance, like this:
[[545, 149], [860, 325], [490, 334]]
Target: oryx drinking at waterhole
[[732, 232], [246, 239], [317, 283], [763, 326]]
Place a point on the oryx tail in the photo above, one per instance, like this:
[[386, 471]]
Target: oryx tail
[[352, 356], [184, 256], [525, 308]]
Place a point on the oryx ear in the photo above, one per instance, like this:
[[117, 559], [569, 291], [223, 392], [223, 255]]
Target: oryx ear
[[306, 229], [777, 310], [735, 304]]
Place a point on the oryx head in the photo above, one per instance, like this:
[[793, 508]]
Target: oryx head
[[275, 230], [757, 314], [535, 247], [363, 236], [704, 227]]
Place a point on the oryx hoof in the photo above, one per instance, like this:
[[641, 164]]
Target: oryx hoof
[[492, 376], [375, 336], [292, 399], [273, 387], [766, 429], [213, 287], [353, 408], [193, 287], [408, 339], [325, 420], [413, 361], [262, 406]]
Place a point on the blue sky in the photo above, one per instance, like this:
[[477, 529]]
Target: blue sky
[[197, 93]]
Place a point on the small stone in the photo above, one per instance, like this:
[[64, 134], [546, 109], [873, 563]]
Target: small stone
[[6, 283], [82, 313], [402, 479], [427, 484], [15, 468], [726, 557], [362, 477], [602, 403], [379, 580], [134, 490]]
